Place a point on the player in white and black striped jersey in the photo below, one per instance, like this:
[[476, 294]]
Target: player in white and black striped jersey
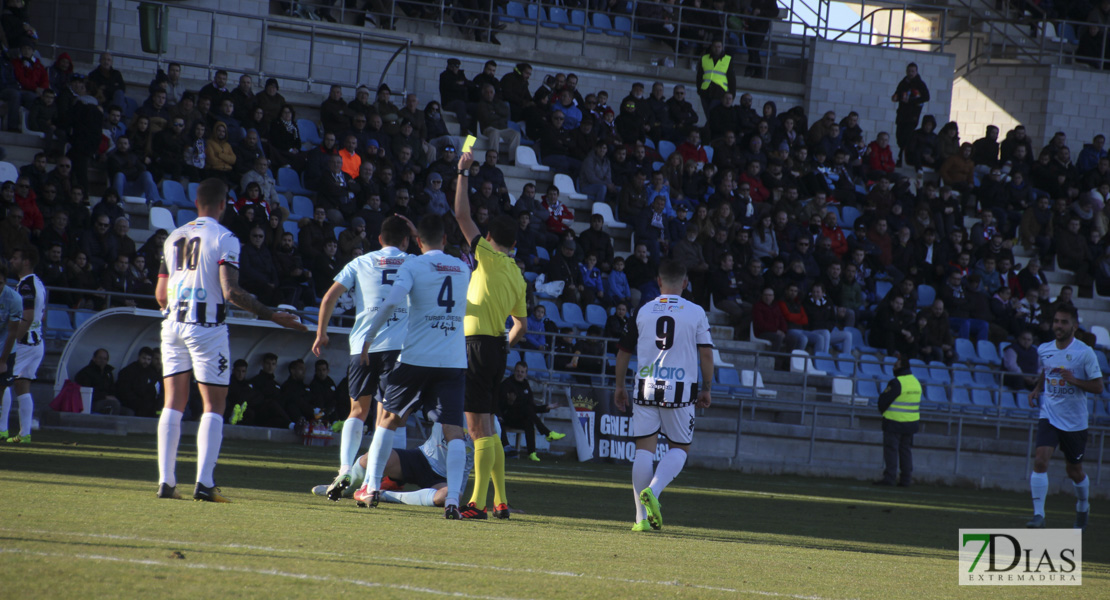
[[198, 277], [671, 340]]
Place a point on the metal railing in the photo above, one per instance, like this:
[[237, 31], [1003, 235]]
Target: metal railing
[[216, 60], [813, 405]]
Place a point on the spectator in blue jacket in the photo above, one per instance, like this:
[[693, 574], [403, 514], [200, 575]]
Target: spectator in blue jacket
[[533, 338], [616, 286], [1090, 154], [591, 278]]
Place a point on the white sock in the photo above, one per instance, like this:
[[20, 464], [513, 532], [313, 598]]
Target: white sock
[[1081, 493], [210, 433], [456, 463], [641, 478], [669, 468], [169, 434], [26, 411], [1038, 484], [358, 474], [377, 456], [349, 443], [5, 409], [424, 497]]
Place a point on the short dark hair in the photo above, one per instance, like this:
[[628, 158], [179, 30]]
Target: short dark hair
[[319, 362], [30, 254], [239, 362], [269, 356], [430, 229], [211, 194], [394, 231], [148, 351], [1068, 308], [503, 231], [672, 271], [294, 363]]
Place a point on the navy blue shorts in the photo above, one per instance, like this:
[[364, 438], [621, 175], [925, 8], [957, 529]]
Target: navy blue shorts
[[439, 391], [366, 380], [416, 470], [1072, 443]]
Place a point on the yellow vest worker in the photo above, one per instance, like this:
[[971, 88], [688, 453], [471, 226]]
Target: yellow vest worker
[[716, 76], [715, 72], [899, 404]]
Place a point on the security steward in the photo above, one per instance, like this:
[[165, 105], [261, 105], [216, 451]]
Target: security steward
[[899, 404], [716, 76]]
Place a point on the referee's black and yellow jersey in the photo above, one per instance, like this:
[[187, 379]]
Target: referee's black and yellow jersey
[[497, 290]]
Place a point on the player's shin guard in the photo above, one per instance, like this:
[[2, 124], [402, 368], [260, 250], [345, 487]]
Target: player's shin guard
[[424, 497], [26, 411], [349, 443], [483, 468], [169, 434], [1038, 485], [456, 463], [669, 468], [641, 478], [5, 409], [210, 434], [500, 493], [377, 456], [1082, 491]]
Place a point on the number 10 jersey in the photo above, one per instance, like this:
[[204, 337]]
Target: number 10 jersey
[[665, 336], [191, 259]]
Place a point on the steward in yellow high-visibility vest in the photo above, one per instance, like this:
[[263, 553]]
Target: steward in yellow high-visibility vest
[[899, 404], [716, 76]]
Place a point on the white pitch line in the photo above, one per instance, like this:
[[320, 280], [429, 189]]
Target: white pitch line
[[523, 570], [271, 572]]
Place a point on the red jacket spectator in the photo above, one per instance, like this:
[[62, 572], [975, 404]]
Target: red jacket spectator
[[31, 74], [759, 192], [836, 234], [767, 318], [880, 158], [798, 317], [560, 218], [691, 152], [32, 216]]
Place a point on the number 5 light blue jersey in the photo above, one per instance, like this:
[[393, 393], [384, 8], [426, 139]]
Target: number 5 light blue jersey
[[11, 310], [370, 279], [436, 285], [1063, 404]]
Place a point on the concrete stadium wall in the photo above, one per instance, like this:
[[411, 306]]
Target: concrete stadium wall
[[1044, 98], [846, 77]]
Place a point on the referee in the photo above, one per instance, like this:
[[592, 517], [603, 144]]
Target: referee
[[497, 290]]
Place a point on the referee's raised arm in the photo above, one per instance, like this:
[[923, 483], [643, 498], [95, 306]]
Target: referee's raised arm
[[462, 199]]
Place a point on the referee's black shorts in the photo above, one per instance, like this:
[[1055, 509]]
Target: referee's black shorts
[[485, 368]]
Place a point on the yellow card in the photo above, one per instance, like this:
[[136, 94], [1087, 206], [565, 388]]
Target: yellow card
[[468, 145]]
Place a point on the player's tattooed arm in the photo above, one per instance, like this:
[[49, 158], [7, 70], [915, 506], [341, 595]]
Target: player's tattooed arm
[[229, 280]]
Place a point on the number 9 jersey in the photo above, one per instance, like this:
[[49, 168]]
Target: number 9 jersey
[[665, 336], [191, 259]]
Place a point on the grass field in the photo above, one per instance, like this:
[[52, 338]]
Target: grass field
[[78, 519]]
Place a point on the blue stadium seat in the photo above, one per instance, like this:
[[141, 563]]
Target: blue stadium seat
[[338, 229], [920, 370], [882, 288], [193, 187], [291, 227], [988, 352], [824, 362], [888, 366], [572, 314], [530, 276], [982, 398], [965, 351], [846, 366], [58, 325], [514, 13], [184, 216], [302, 208], [174, 194], [848, 217], [666, 148], [623, 25], [925, 295], [553, 313], [961, 399], [535, 13], [537, 363], [871, 368], [596, 315], [868, 389], [289, 181], [962, 378], [858, 342], [556, 17], [708, 149], [985, 379], [577, 20], [602, 24], [938, 371], [935, 398], [542, 253], [310, 135], [80, 316]]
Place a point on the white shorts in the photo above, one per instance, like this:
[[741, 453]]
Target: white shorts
[[202, 350], [27, 360], [677, 424]]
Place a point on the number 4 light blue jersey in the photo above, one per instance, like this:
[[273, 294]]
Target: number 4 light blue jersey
[[1063, 404], [370, 279], [436, 286]]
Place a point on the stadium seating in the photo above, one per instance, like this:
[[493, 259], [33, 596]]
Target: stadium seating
[[310, 135], [925, 295], [161, 218], [988, 352], [566, 186], [301, 209], [965, 351], [572, 314], [289, 181], [553, 313], [606, 212], [526, 157], [596, 315], [291, 227], [184, 216]]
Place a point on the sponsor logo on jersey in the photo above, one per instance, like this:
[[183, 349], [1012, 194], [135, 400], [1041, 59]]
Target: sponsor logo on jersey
[[658, 371], [447, 268], [188, 293], [658, 308], [391, 262]]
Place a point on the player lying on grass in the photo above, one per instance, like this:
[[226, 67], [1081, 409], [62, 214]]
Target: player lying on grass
[[424, 466]]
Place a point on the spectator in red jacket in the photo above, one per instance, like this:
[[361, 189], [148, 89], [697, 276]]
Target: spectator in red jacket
[[831, 229], [559, 216], [25, 198], [770, 325], [880, 159], [692, 149], [32, 77], [759, 192]]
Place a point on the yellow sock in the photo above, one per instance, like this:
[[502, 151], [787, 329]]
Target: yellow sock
[[500, 496], [484, 459]]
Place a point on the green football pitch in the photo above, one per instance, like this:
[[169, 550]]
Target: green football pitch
[[78, 519]]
